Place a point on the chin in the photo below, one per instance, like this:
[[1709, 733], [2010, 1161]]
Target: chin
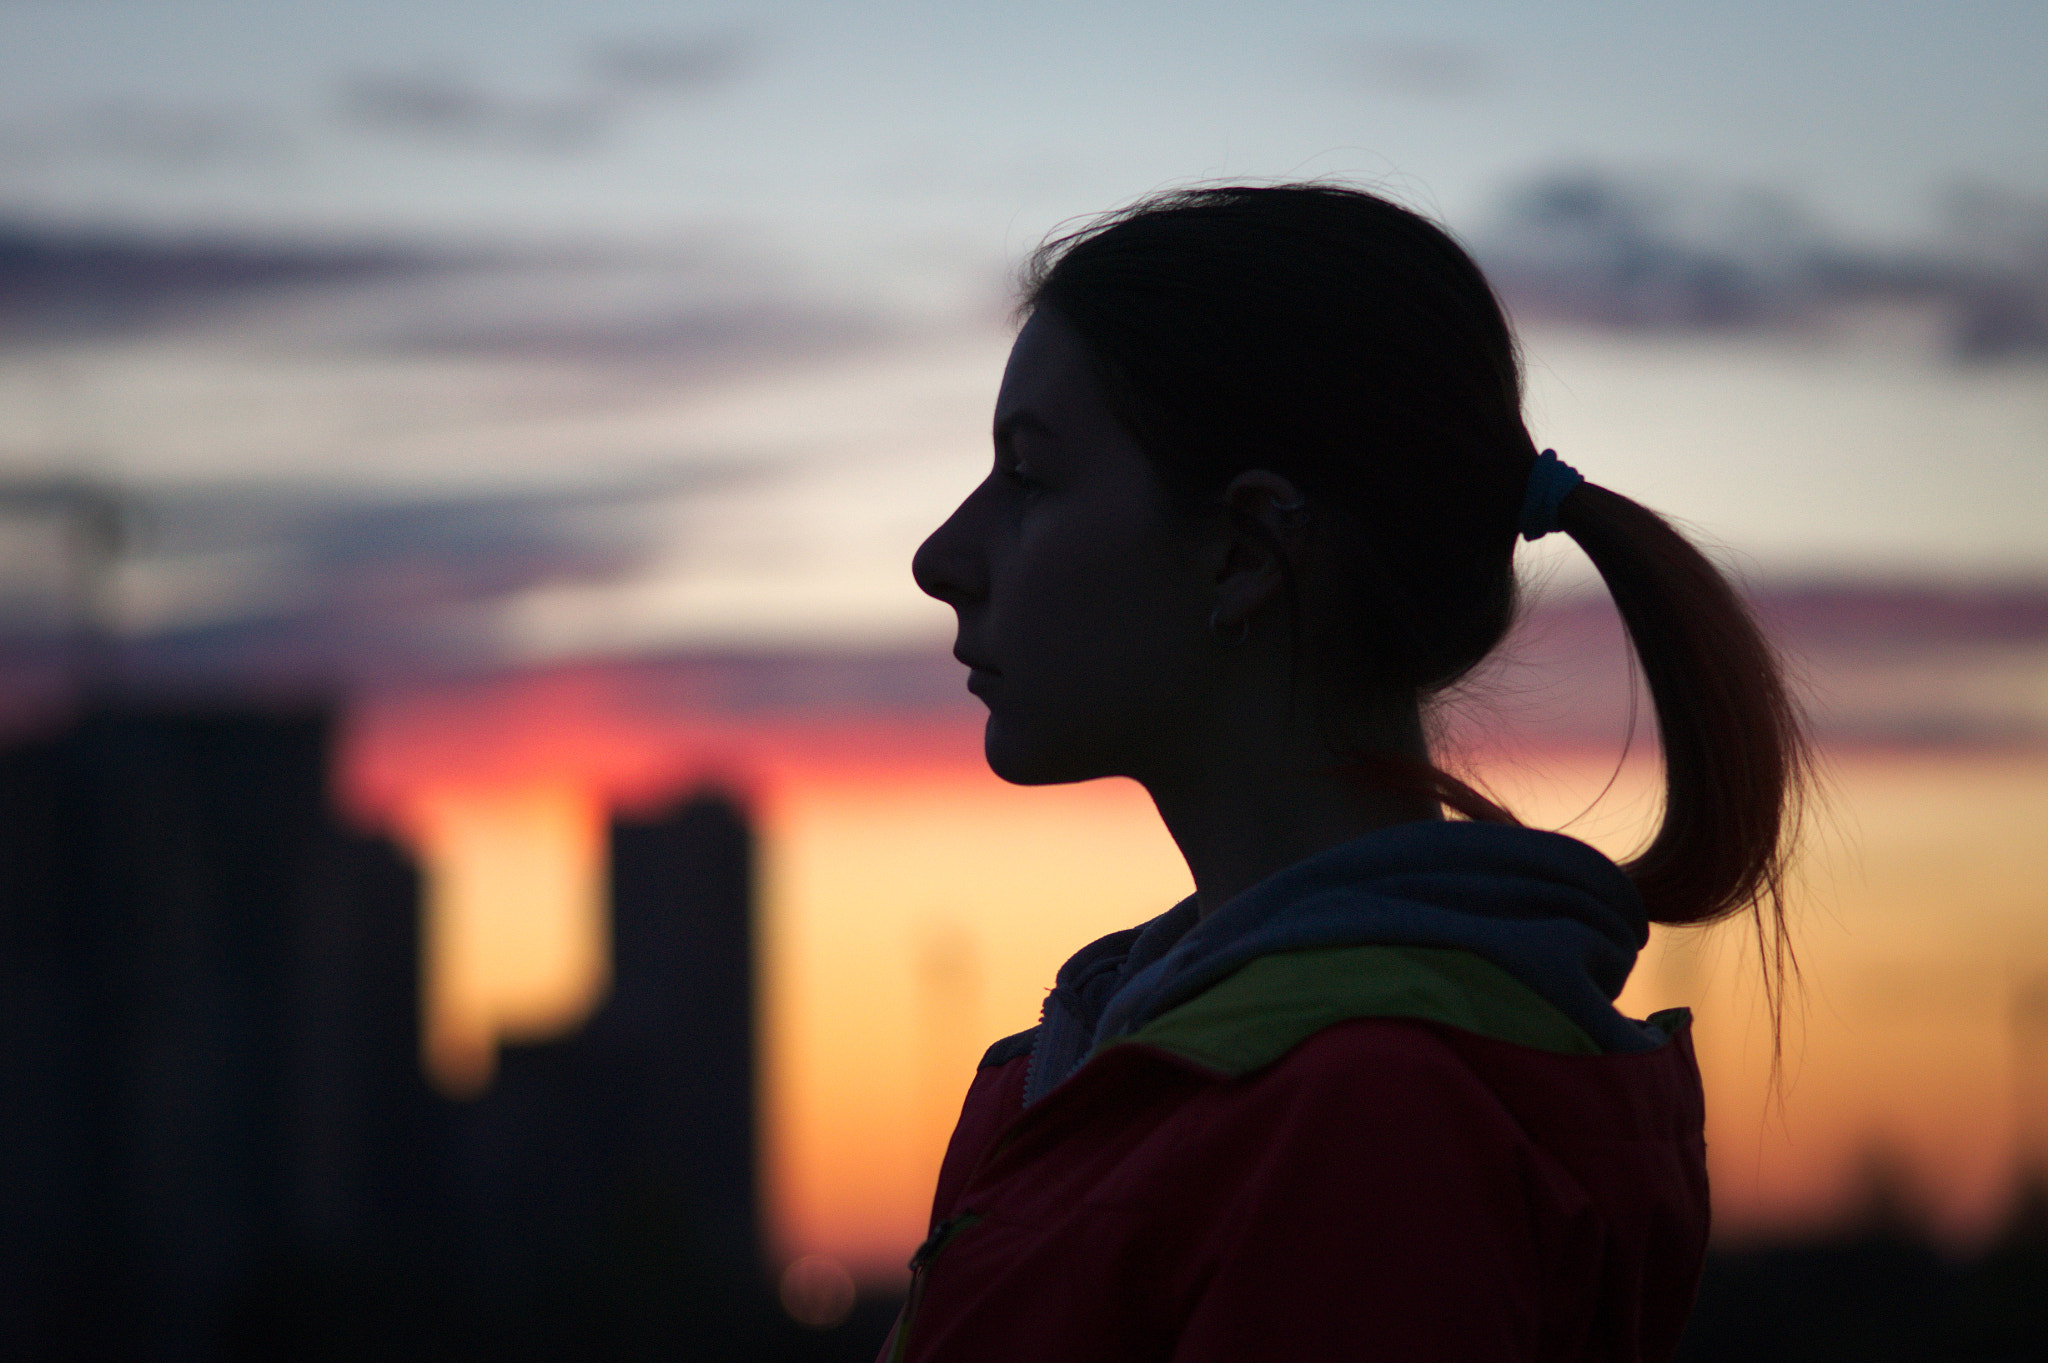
[[1031, 761]]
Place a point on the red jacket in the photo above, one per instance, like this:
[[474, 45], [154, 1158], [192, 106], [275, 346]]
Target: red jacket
[[1384, 1153]]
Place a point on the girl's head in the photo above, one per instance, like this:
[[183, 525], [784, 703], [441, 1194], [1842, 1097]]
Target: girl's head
[[1276, 432]]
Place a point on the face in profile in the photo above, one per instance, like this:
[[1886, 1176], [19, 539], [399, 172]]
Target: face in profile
[[1082, 596]]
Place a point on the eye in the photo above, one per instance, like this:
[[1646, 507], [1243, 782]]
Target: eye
[[1018, 474], [1019, 439]]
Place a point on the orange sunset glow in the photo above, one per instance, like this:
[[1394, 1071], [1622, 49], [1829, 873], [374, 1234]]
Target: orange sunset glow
[[914, 908]]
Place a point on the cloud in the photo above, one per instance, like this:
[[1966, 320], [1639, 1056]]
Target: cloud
[[1668, 249], [670, 65], [710, 300], [68, 283], [445, 105], [173, 138], [240, 586], [1885, 663], [1422, 68], [439, 105]]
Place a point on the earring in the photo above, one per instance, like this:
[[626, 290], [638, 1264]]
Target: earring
[[1244, 630]]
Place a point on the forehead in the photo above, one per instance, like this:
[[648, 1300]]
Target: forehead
[[1048, 377]]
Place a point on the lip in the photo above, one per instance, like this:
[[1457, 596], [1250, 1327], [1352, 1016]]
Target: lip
[[981, 678]]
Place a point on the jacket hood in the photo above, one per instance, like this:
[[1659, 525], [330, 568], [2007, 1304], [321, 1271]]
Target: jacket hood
[[1549, 910]]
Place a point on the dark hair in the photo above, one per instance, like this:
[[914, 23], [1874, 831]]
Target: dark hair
[[1352, 346]]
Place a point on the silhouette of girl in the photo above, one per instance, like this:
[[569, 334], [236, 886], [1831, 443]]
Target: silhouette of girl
[[1260, 469]]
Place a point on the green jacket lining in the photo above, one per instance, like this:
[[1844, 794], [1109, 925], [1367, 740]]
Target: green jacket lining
[[1263, 1010]]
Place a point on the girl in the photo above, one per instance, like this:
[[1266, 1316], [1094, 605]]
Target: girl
[[1260, 468]]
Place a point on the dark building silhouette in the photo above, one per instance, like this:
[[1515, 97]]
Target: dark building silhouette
[[218, 1143], [210, 1038], [683, 963], [608, 1178], [1878, 1290]]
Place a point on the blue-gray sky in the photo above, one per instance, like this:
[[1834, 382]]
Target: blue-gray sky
[[746, 432], [952, 125]]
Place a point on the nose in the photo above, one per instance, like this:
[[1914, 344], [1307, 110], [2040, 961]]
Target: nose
[[950, 564]]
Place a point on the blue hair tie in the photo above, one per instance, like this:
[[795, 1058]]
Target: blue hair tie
[[1550, 478]]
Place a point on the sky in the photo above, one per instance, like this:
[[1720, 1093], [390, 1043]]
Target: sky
[[715, 310], [846, 130], [720, 306]]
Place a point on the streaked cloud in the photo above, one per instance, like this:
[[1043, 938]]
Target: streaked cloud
[[446, 105], [247, 587], [710, 298], [671, 64], [1431, 69], [442, 105], [1637, 250], [64, 284], [1874, 664], [160, 137]]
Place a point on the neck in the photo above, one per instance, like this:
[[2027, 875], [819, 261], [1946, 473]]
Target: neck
[[1244, 815]]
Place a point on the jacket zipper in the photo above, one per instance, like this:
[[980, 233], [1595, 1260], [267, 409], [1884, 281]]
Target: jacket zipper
[[898, 1345], [942, 1235]]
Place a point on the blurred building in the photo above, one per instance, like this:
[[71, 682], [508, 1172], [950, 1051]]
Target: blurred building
[[606, 1180], [219, 1140], [210, 1051]]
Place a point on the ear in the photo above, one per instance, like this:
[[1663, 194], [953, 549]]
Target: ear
[[1267, 518]]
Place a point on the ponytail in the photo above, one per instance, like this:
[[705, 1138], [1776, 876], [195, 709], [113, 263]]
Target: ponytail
[[1736, 760]]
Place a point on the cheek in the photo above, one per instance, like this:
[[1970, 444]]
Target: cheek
[[1094, 601], [1101, 653]]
